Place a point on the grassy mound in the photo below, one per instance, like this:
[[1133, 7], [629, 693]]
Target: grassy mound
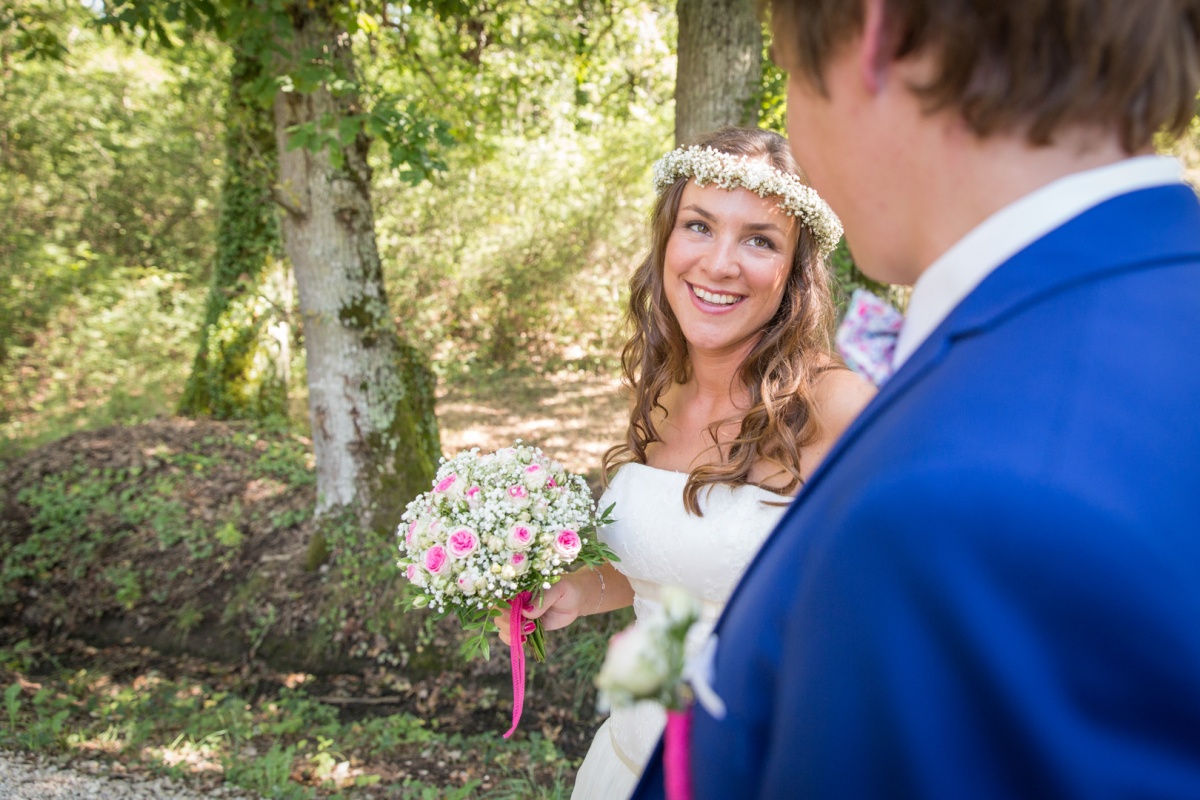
[[161, 606]]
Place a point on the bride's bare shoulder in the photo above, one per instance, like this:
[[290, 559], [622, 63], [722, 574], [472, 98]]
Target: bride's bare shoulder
[[839, 396]]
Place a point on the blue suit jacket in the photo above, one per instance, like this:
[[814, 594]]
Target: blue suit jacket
[[991, 588]]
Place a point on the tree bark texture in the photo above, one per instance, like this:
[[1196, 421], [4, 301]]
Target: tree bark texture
[[241, 366], [370, 394], [719, 66]]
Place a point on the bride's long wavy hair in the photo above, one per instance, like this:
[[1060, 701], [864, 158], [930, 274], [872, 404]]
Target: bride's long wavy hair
[[794, 349]]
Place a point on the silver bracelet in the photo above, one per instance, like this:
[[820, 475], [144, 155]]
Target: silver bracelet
[[599, 575]]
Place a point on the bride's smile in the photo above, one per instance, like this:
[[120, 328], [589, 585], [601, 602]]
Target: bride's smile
[[708, 297], [725, 266]]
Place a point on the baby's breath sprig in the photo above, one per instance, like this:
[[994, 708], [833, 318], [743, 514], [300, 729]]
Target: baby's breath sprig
[[708, 165]]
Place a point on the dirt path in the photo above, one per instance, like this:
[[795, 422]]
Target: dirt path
[[574, 417]]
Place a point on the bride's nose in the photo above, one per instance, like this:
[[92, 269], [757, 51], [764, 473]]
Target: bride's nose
[[722, 261]]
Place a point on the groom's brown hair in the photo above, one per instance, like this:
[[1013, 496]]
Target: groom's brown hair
[[1034, 65]]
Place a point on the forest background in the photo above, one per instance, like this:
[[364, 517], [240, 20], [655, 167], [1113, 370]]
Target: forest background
[[182, 587]]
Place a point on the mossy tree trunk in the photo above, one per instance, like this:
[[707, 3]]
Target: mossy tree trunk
[[241, 367], [370, 395], [719, 68]]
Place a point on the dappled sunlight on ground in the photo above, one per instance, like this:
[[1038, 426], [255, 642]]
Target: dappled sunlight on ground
[[573, 416]]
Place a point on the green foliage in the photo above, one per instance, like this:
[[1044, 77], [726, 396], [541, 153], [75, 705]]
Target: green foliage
[[62, 539], [31, 32], [279, 742], [520, 251], [269, 774], [287, 460], [108, 526], [12, 704], [241, 367], [848, 276], [524, 255], [363, 584], [80, 137], [260, 32], [417, 790], [772, 93]]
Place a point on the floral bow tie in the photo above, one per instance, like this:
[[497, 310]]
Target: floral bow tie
[[867, 336]]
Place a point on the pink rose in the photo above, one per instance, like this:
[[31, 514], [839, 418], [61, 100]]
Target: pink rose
[[567, 544], [411, 572], [472, 495], [446, 483], [436, 560], [412, 533], [462, 543], [518, 494], [551, 483], [519, 562], [520, 536]]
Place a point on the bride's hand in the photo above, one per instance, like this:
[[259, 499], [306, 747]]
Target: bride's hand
[[561, 604]]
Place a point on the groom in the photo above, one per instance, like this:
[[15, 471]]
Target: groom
[[991, 588]]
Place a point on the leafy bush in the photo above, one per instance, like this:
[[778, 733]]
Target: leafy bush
[[116, 353], [110, 160]]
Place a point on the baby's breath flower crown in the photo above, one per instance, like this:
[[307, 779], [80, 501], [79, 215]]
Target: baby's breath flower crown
[[729, 171]]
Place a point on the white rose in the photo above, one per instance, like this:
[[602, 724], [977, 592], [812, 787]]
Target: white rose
[[634, 665], [466, 582], [680, 605], [534, 477]]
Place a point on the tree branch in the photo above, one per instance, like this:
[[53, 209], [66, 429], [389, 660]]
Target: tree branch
[[287, 205]]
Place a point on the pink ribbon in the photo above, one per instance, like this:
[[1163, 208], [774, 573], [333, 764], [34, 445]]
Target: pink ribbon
[[516, 651], [677, 766]]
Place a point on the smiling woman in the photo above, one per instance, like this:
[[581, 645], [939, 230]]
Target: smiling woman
[[732, 313], [736, 391]]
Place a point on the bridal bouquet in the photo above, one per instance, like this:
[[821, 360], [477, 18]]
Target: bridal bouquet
[[494, 528]]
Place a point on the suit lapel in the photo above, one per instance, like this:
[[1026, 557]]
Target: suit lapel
[[1100, 242]]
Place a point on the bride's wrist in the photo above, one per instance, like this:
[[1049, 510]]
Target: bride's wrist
[[600, 599]]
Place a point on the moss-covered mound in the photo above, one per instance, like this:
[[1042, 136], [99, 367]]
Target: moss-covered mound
[[193, 536]]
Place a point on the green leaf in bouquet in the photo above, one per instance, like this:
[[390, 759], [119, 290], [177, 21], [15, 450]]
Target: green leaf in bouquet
[[476, 645]]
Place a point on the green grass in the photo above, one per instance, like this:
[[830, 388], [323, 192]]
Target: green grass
[[281, 742]]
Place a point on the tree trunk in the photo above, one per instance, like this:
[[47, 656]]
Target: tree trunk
[[370, 395], [241, 367], [719, 66]]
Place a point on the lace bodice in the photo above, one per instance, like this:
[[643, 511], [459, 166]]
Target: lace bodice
[[661, 544]]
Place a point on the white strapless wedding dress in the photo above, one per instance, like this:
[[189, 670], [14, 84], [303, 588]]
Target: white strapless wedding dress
[[661, 544]]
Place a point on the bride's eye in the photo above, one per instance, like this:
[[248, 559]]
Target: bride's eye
[[697, 226], [761, 241]]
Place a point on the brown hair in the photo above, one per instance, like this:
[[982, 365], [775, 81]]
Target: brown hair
[[1037, 65], [778, 372]]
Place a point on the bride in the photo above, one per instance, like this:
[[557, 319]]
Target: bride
[[737, 397]]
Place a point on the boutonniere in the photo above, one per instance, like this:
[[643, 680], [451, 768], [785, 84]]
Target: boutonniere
[[645, 662]]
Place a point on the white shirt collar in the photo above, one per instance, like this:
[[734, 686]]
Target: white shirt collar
[[1013, 228]]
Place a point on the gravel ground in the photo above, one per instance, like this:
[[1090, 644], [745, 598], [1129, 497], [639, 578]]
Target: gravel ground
[[29, 777]]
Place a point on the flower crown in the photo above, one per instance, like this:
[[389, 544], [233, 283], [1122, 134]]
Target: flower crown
[[729, 171]]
